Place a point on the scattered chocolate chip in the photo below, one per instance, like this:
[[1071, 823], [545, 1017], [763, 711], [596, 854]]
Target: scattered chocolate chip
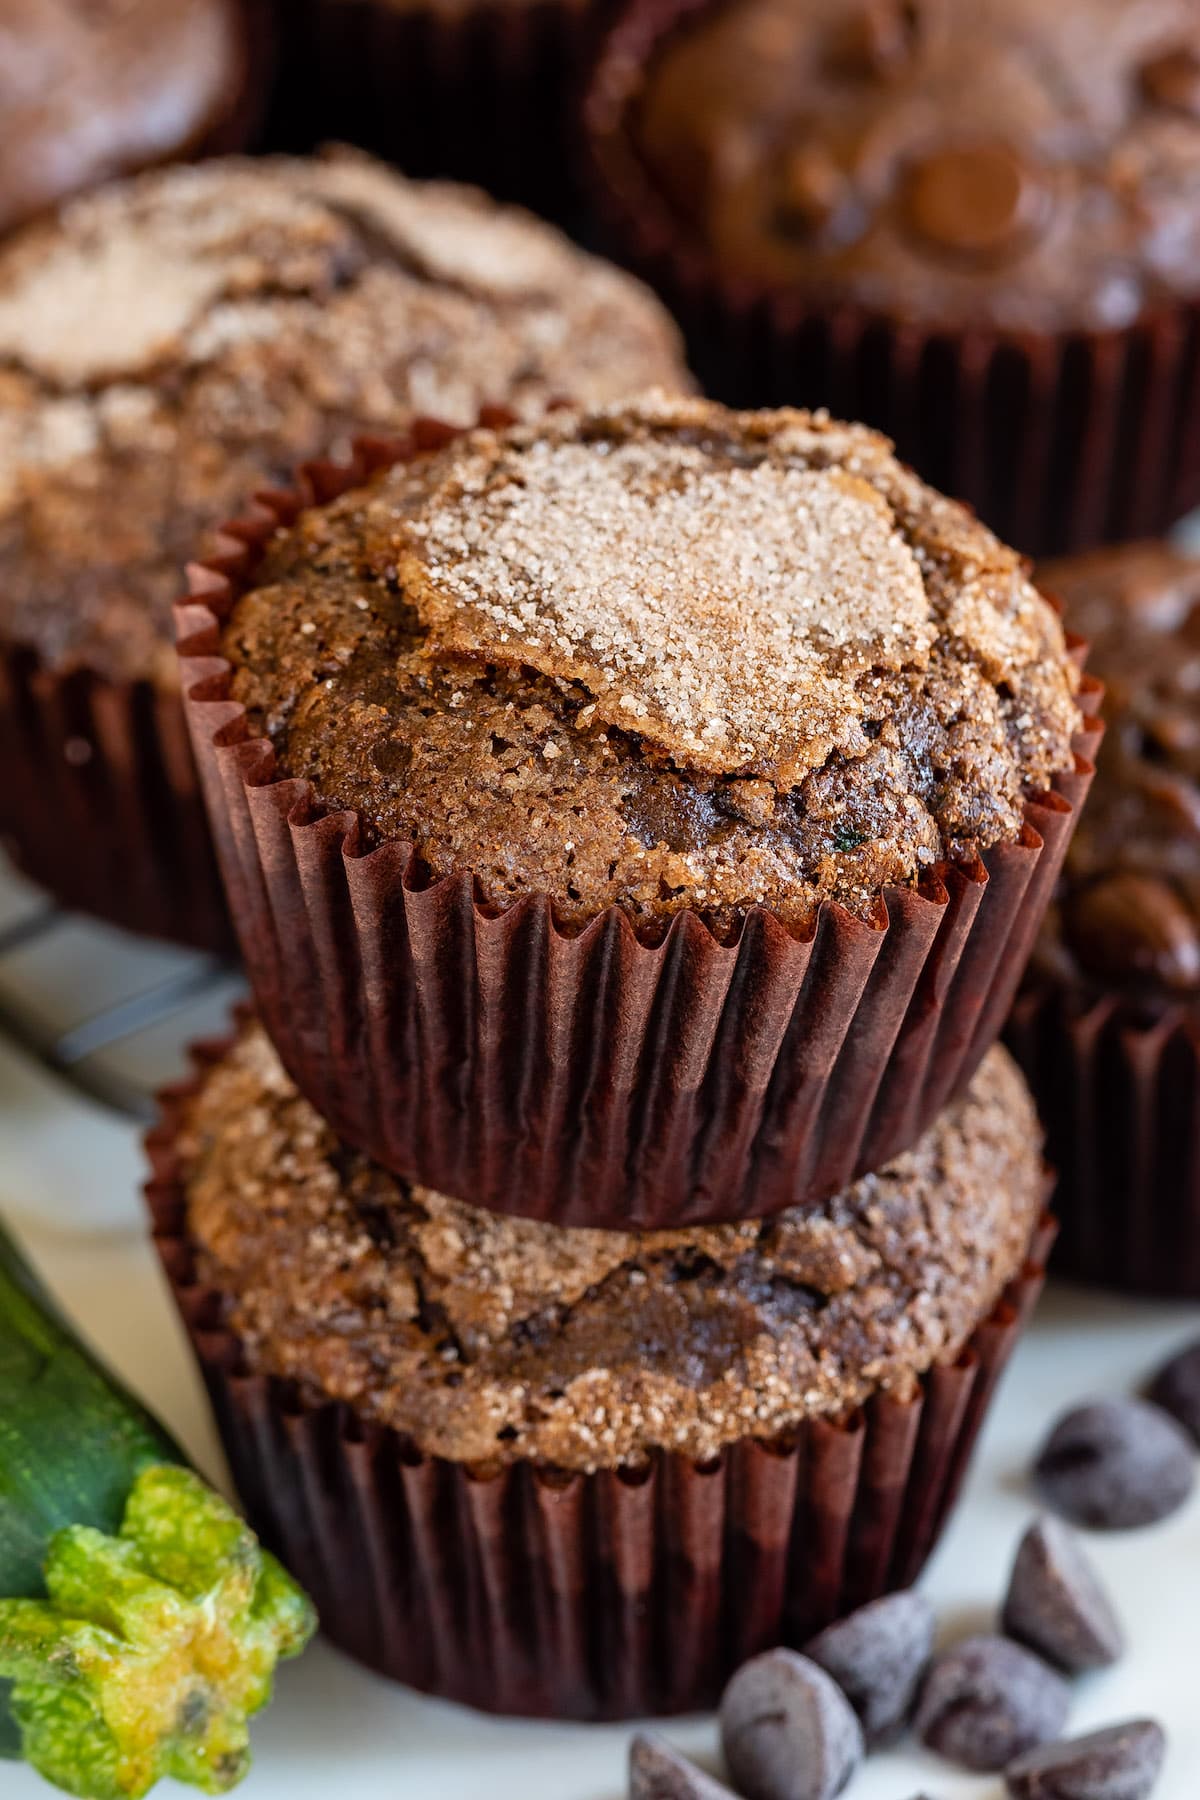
[[976, 200], [1056, 1605], [1122, 1763], [1173, 79], [787, 1730], [1176, 1388], [659, 1772], [877, 1656], [1127, 924], [986, 1701], [1116, 1464]]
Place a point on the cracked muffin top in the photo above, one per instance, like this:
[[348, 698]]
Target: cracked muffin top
[[91, 89], [1024, 164], [488, 1340], [661, 655], [1128, 909], [171, 344]]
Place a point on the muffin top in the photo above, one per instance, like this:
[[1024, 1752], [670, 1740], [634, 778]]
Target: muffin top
[[173, 343], [1018, 162], [661, 655], [102, 89], [488, 1340], [1129, 909]]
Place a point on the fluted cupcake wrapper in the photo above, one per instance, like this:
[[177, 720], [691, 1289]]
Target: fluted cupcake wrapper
[[612, 1595], [478, 90], [1059, 441], [1119, 1094], [101, 804], [591, 1078]]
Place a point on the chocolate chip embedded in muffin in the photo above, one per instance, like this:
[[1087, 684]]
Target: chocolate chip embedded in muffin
[[487, 1339], [662, 656], [171, 344], [1009, 162], [91, 91], [1128, 914]]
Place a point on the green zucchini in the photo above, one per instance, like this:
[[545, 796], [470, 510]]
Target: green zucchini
[[140, 1619]]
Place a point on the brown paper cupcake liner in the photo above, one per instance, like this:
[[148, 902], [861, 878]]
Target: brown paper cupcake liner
[[606, 1596], [1119, 1094], [100, 801], [592, 1078], [1059, 441], [478, 90]]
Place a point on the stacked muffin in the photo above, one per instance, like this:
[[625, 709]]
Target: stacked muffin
[[602, 1248]]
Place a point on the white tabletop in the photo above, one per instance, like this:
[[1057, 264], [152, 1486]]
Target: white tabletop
[[69, 1166]]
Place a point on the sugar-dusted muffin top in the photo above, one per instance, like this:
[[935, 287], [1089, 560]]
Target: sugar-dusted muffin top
[[1128, 912], [660, 656], [173, 343], [1022, 162], [105, 88], [488, 1340]]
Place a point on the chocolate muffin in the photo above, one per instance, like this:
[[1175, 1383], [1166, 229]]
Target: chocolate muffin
[[1109, 1027], [492, 1355], [478, 90], [976, 187], [91, 92], [662, 657], [171, 344], [658, 662]]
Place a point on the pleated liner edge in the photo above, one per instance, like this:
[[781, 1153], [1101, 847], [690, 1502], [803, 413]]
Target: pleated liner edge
[[594, 1079], [606, 1596], [1119, 1094], [101, 802], [1059, 441], [481, 92]]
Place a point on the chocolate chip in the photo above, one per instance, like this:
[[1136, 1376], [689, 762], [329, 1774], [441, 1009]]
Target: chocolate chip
[[881, 38], [659, 1772], [976, 200], [1056, 1605], [811, 189], [877, 1656], [1128, 924], [1116, 1464], [1173, 79], [1176, 1388], [787, 1730], [986, 1701], [1122, 1763]]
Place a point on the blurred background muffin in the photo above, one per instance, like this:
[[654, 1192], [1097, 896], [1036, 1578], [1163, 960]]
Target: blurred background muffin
[[165, 347], [653, 1454], [1109, 1025], [478, 90], [976, 226], [91, 92]]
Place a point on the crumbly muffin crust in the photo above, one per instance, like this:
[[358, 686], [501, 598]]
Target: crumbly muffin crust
[[175, 342], [1128, 911], [490, 1340], [88, 92], [660, 656], [1026, 164]]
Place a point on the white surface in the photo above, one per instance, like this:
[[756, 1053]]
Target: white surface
[[68, 1168]]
